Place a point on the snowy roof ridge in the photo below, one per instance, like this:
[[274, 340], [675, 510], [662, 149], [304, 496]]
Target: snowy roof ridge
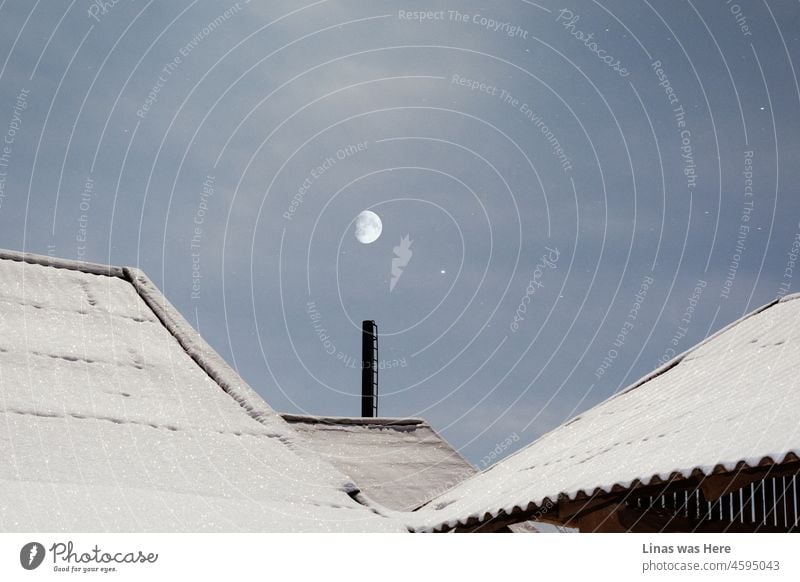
[[197, 348], [353, 420], [55, 262], [666, 366], [615, 444], [190, 340], [680, 357]]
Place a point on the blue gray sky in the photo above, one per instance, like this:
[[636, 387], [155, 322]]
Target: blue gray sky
[[589, 187]]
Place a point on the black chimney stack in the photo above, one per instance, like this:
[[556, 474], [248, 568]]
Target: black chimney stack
[[369, 368]]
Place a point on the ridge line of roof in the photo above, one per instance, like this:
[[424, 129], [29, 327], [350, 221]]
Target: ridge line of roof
[[189, 339], [196, 347], [208, 360], [680, 357], [352, 420], [58, 263], [789, 297]]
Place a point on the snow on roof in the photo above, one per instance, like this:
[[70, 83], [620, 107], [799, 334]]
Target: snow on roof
[[730, 400], [400, 463], [115, 415]]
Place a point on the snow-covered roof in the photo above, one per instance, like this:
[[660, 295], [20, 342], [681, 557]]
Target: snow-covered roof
[[115, 415], [731, 401], [398, 462]]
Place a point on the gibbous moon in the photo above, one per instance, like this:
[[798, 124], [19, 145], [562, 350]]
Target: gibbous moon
[[368, 227]]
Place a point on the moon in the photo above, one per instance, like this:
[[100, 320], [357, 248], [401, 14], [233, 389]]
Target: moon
[[368, 227]]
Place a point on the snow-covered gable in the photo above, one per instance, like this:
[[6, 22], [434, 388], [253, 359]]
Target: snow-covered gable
[[730, 401], [116, 416], [400, 463]]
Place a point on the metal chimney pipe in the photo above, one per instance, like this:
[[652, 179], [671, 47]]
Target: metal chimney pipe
[[369, 368]]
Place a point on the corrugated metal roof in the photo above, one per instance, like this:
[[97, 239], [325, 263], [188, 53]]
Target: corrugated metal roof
[[730, 401], [115, 415], [398, 462]]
